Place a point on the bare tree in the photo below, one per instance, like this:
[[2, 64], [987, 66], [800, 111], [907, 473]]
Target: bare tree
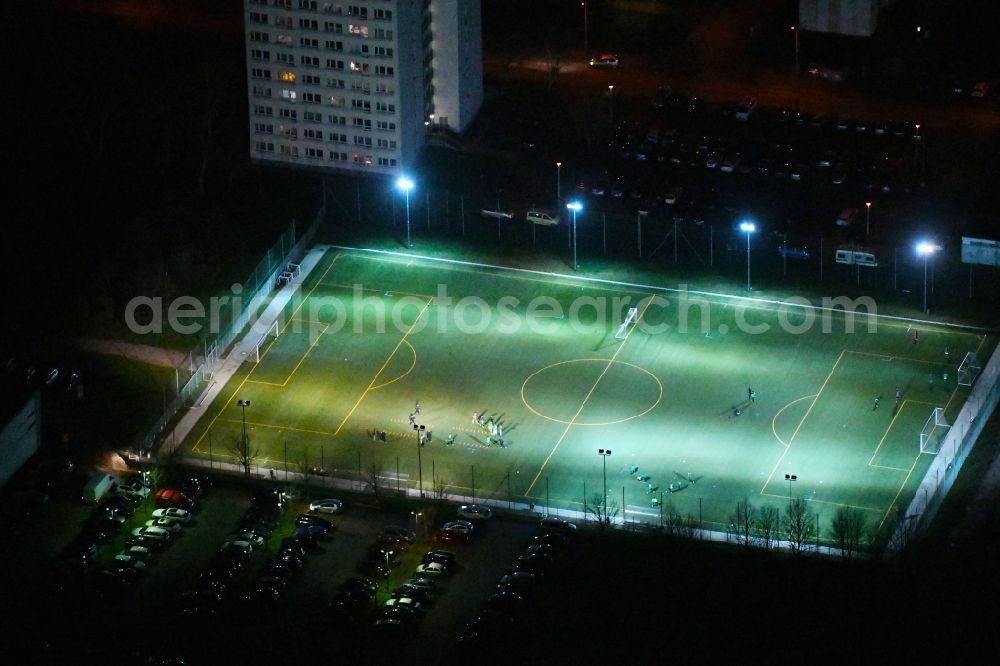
[[246, 457], [439, 488], [849, 531], [766, 526], [604, 514], [799, 526], [742, 522]]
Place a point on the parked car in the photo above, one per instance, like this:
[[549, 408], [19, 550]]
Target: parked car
[[451, 537], [541, 218], [445, 557], [463, 526], [433, 569], [167, 497], [310, 519], [152, 532], [474, 512], [252, 538], [173, 513], [311, 531], [134, 486], [168, 524], [408, 603], [605, 61], [557, 525], [422, 582], [326, 506]]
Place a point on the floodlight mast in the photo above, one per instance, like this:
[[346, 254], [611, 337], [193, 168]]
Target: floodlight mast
[[604, 453], [926, 249], [749, 228], [574, 206], [406, 184]]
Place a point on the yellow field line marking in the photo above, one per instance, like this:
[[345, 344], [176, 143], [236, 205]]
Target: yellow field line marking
[[271, 426], [593, 388], [239, 388], [819, 501], [384, 365], [412, 365], [261, 381], [775, 419], [917, 459], [895, 469], [799, 426], [886, 433]]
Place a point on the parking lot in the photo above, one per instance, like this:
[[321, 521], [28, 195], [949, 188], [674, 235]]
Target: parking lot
[[169, 609]]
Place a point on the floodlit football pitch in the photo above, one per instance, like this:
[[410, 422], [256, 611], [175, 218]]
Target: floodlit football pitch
[[370, 336]]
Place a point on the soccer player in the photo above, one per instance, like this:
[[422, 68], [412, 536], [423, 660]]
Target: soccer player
[[413, 420], [753, 396], [416, 408], [877, 398], [899, 395]]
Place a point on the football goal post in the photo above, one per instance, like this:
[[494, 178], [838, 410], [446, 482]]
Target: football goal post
[[933, 432], [266, 338], [630, 319], [968, 370]]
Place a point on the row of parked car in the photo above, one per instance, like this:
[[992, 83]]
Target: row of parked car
[[519, 583], [118, 507], [249, 537]]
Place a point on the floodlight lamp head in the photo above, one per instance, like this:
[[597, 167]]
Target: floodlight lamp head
[[748, 227], [925, 248], [574, 206], [404, 183]]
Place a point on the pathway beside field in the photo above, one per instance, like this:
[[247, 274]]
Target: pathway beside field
[[241, 350], [164, 358]]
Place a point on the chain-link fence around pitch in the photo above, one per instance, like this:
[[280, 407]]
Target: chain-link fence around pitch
[[201, 362], [955, 448]]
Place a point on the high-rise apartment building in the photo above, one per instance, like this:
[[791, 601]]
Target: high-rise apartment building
[[355, 86]]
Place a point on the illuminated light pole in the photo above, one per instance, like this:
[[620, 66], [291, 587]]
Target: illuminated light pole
[[420, 430], [406, 185], [791, 478], [749, 228], [868, 217], [558, 185], [574, 206], [585, 25], [246, 444], [605, 453], [611, 105], [926, 249], [795, 31]]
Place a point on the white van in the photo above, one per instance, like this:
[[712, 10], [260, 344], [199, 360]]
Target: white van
[[542, 218], [857, 256]]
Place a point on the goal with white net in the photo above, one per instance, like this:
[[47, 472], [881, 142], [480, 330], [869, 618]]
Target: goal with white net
[[265, 339], [933, 432], [968, 370], [631, 318]]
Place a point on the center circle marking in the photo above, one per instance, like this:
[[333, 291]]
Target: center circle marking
[[604, 362]]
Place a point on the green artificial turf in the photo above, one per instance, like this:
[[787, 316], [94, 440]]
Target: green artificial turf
[[663, 400]]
